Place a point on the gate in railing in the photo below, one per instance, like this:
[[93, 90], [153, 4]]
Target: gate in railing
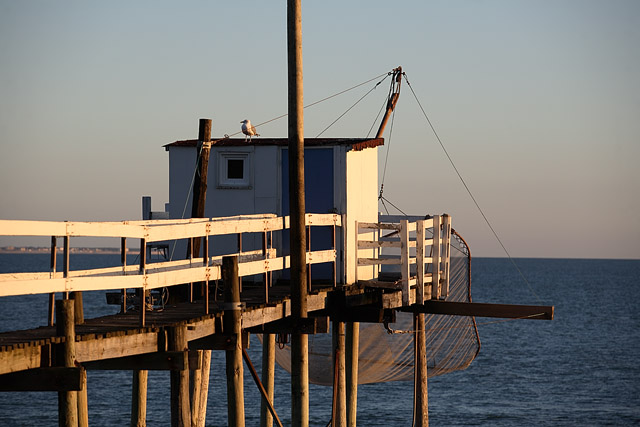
[[420, 253]]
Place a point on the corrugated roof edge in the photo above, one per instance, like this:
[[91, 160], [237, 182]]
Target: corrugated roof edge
[[357, 144]]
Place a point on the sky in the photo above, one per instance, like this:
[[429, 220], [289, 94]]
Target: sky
[[537, 104]]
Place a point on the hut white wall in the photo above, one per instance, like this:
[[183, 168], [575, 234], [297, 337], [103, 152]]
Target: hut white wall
[[361, 205]]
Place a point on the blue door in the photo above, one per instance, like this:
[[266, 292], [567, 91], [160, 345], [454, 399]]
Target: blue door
[[318, 187]]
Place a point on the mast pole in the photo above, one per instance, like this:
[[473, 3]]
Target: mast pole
[[299, 341]]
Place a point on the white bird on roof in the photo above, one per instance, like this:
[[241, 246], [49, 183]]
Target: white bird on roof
[[248, 129]]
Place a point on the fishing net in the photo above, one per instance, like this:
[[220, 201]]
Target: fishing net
[[387, 354]]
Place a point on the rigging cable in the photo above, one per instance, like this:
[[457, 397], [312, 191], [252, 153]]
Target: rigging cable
[[468, 190], [356, 103], [195, 171]]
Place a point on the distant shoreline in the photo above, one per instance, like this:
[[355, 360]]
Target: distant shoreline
[[47, 250]]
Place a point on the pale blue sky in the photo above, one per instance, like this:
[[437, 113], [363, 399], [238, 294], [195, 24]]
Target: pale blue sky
[[538, 103]]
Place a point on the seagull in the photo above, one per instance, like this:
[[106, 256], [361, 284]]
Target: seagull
[[248, 129]]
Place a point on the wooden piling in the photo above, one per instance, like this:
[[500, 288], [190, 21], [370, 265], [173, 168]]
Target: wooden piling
[[83, 402], [268, 377], [65, 327], [422, 394], [352, 350], [232, 326], [180, 404], [139, 399], [299, 341], [340, 403], [201, 413]]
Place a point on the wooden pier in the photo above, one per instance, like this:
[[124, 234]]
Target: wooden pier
[[223, 309]]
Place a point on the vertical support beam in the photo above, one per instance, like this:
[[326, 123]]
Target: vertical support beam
[[185, 292], [268, 377], [435, 255], [355, 250], [299, 341], [195, 382], [420, 262], [308, 237], [142, 292], [139, 399], [339, 385], [201, 417], [265, 254], [83, 402], [180, 407], [446, 245], [404, 266], [123, 261], [205, 262], [232, 325], [52, 295], [352, 349], [65, 261], [421, 410], [334, 269], [65, 327]]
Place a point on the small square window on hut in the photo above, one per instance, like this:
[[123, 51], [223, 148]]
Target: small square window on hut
[[234, 170]]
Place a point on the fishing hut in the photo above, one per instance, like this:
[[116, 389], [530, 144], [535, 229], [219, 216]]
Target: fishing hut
[[372, 284], [283, 255]]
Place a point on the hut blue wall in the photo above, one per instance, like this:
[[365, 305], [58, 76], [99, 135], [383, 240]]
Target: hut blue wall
[[319, 198]]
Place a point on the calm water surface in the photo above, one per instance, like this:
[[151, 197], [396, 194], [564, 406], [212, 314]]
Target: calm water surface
[[579, 369]]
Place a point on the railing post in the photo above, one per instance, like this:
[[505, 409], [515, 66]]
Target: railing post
[[52, 295], [266, 273], [142, 291], [205, 261], [420, 262], [405, 273], [65, 327], [232, 324], [355, 250], [123, 261], [66, 261], [435, 282], [446, 243]]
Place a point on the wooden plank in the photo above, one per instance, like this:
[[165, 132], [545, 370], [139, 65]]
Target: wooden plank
[[43, 379], [373, 244], [420, 261], [159, 361], [116, 346], [18, 359], [508, 311], [368, 226], [379, 261]]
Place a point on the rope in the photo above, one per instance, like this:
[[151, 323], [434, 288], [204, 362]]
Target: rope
[[469, 190], [349, 109]]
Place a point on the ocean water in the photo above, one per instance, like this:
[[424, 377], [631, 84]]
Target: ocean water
[[579, 369]]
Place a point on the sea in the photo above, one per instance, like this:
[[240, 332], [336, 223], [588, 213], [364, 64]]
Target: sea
[[580, 369]]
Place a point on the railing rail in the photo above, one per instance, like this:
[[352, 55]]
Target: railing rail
[[423, 275], [147, 276]]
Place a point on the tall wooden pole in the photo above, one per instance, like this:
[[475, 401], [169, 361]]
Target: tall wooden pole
[[65, 327], [232, 324], [268, 376], [340, 403], [299, 342], [200, 183], [352, 349], [180, 403], [421, 392], [139, 399]]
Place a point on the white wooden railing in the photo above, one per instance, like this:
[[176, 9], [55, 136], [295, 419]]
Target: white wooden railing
[[148, 276], [426, 271]]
